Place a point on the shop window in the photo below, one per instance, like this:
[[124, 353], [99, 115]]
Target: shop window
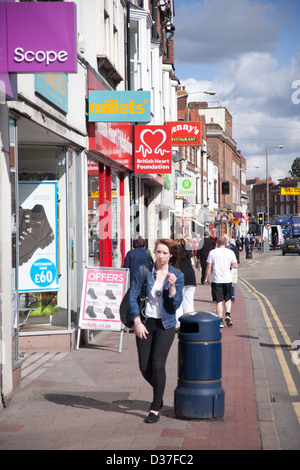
[[44, 256], [135, 62], [14, 205]]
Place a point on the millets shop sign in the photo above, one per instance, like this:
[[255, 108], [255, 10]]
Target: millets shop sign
[[40, 37], [119, 106]]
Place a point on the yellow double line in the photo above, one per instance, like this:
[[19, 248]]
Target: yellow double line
[[282, 361]]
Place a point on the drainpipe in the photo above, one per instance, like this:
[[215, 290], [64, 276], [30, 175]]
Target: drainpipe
[[128, 45], [154, 18]]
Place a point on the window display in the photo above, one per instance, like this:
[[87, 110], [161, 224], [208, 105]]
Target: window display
[[41, 254]]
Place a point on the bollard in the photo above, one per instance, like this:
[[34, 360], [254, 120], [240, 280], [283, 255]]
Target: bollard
[[199, 393], [248, 252]]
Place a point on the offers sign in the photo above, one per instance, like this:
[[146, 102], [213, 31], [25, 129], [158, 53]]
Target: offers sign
[[185, 133], [102, 294], [152, 149]]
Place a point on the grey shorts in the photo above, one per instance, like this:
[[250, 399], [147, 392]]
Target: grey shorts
[[221, 291]]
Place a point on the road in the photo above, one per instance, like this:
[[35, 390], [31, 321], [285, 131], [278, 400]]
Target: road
[[271, 289]]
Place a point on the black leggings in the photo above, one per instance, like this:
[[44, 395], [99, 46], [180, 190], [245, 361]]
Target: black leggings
[[153, 353]]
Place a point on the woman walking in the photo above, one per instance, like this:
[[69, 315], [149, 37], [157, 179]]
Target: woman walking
[[185, 266], [155, 329]]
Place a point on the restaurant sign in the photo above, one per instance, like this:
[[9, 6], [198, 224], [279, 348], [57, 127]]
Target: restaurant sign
[[185, 133]]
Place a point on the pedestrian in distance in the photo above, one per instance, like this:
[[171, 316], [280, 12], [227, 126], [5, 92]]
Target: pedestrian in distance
[[252, 241], [242, 241], [185, 266], [232, 247], [137, 256], [155, 328], [238, 244], [275, 241], [195, 247], [221, 261], [202, 254]]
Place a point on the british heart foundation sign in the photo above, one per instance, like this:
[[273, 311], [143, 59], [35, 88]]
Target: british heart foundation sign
[[152, 149]]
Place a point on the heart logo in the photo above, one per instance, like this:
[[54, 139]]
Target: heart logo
[[150, 138]]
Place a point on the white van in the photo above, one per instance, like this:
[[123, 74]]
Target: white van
[[274, 229]]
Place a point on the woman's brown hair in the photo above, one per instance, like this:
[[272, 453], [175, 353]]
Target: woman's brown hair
[[173, 249]]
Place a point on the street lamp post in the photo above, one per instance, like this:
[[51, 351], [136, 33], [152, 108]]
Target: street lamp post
[[210, 92], [267, 175]]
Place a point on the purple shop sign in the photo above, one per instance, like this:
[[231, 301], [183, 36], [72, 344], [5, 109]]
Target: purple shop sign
[[41, 37]]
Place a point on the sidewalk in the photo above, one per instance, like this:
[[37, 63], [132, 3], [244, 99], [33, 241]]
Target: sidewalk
[[95, 398]]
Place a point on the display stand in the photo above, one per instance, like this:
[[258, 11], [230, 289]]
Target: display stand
[[102, 293]]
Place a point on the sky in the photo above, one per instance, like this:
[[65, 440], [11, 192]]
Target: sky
[[248, 52]]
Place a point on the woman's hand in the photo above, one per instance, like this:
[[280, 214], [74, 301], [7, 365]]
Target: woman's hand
[[140, 330], [172, 279]]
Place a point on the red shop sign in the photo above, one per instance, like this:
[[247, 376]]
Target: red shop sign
[[114, 140], [152, 149], [185, 133]]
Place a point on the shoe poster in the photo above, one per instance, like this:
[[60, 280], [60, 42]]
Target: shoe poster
[[38, 245], [103, 291]]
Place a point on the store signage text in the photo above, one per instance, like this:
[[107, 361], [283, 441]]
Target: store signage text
[[186, 186], [152, 149], [119, 106], [41, 37], [290, 191], [40, 56], [54, 88], [114, 140], [185, 133]]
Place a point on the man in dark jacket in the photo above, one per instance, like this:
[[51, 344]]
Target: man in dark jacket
[[202, 253], [136, 257]]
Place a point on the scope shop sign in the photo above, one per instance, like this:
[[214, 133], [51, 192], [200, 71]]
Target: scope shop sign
[[40, 37]]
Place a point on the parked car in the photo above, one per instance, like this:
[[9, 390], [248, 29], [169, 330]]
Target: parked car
[[291, 245]]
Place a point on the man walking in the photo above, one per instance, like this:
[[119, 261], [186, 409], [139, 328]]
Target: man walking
[[202, 253], [221, 261]]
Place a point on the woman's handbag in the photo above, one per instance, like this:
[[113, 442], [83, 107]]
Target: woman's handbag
[[124, 306]]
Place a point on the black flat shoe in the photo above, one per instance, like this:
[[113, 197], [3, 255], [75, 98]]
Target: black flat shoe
[[152, 418]]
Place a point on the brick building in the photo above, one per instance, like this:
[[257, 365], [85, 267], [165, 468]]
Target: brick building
[[285, 204], [280, 205]]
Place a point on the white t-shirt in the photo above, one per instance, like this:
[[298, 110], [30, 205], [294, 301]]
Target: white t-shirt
[[221, 260], [154, 303]]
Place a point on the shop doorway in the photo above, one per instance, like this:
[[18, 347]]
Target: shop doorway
[[105, 216]]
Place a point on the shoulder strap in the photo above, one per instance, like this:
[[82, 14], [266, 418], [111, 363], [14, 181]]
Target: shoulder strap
[[145, 273]]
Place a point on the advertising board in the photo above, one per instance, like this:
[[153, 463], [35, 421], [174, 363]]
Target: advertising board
[[152, 149], [40, 37], [102, 293]]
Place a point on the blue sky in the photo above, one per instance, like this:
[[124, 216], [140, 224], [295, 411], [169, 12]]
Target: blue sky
[[248, 51]]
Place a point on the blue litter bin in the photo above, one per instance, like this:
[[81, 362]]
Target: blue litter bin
[[199, 393]]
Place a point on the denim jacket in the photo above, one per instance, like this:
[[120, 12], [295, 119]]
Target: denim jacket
[[169, 304]]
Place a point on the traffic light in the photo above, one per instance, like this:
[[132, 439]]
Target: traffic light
[[261, 218]]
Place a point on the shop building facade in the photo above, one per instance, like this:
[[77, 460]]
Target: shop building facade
[[68, 187]]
